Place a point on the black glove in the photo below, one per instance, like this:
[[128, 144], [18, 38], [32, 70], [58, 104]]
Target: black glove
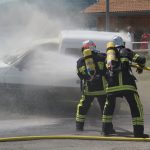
[[139, 70]]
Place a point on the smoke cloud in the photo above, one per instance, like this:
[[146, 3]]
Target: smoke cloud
[[24, 21]]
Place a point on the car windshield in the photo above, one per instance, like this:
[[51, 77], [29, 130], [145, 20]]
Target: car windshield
[[73, 51]]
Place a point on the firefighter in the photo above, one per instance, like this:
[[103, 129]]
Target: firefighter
[[121, 83], [91, 71]]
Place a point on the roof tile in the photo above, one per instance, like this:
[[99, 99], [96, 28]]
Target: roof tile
[[119, 6]]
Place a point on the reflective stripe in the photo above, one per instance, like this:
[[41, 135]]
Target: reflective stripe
[[104, 82], [101, 65], [120, 79], [106, 119], [80, 103], [138, 120], [124, 59], [135, 57], [139, 104], [121, 88], [103, 92], [82, 70], [80, 118]]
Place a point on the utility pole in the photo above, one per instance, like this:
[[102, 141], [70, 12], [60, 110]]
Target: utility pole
[[107, 15]]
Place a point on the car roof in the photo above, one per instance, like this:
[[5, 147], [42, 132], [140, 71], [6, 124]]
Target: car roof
[[74, 38]]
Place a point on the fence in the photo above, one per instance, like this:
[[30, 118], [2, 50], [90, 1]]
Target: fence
[[142, 48]]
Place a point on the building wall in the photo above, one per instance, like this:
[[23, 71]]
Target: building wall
[[138, 22], [113, 23]]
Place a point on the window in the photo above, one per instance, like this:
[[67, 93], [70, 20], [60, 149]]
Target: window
[[73, 51]]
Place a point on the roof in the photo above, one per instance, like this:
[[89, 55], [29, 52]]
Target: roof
[[119, 6]]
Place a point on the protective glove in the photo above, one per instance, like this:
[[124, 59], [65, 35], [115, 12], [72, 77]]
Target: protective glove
[[139, 70]]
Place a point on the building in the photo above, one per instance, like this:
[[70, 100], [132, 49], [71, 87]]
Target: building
[[123, 13], [79, 4]]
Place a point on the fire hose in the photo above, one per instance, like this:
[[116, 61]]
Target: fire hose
[[137, 66], [75, 137]]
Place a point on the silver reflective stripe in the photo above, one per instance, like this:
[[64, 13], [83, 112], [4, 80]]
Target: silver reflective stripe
[[120, 79]]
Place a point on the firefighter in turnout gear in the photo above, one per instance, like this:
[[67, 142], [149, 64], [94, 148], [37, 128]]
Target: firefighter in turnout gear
[[91, 70], [121, 83]]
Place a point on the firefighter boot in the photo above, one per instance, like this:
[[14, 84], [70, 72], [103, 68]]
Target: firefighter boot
[[139, 131], [79, 126], [107, 129]]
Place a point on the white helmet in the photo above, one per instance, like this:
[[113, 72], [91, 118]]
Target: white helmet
[[118, 41]]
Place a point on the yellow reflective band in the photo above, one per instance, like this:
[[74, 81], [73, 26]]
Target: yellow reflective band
[[80, 103], [135, 57], [124, 59], [103, 92], [101, 65], [106, 119], [82, 69], [80, 116], [138, 121], [105, 116], [80, 120], [139, 105], [121, 88], [104, 82]]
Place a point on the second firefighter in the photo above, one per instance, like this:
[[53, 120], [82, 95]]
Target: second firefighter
[[121, 83]]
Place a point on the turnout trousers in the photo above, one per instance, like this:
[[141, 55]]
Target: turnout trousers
[[136, 109], [85, 103]]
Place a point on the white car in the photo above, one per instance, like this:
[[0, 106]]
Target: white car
[[38, 78], [70, 41], [43, 76]]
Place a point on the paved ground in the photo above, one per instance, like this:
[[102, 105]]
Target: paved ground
[[38, 125], [12, 125]]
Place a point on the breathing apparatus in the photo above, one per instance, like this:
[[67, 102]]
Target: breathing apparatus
[[89, 62], [113, 63], [111, 55]]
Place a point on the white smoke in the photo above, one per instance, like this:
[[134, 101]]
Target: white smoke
[[23, 22]]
